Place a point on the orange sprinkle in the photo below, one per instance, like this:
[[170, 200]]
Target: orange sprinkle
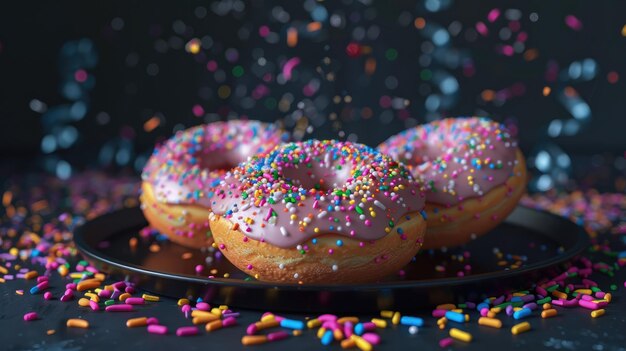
[[488, 95], [419, 23], [155, 248], [531, 54], [292, 37], [546, 91], [370, 66], [132, 243], [314, 26], [151, 124]]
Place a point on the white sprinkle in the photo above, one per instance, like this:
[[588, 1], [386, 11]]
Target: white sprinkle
[[283, 231], [335, 268], [296, 275], [281, 266], [322, 214], [413, 330], [379, 205], [299, 247], [245, 206]]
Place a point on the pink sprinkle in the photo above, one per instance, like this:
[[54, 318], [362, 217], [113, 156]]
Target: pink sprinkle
[[31, 316], [482, 29], [203, 306], [229, 322], [187, 331], [197, 110], [371, 338], [252, 329], [439, 313], [493, 15], [94, 305], [588, 304], [47, 295], [119, 308], [327, 318], [157, 329], [80, 75], [508, 50], [276, 336], [446, 342], [152, 321], [347, 329], [289, 66], [199, 269], [573, 22], [134, 301]]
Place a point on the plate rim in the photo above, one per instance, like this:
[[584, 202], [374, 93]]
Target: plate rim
[[85, 249]]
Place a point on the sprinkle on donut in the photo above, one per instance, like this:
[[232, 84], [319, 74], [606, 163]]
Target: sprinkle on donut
[[456, 158], [302, 190]]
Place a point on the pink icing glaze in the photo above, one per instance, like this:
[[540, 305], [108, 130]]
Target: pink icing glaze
[[456, 158], [187, 166], [302, 190]]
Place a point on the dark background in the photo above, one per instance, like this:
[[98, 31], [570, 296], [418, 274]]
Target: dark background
[[137, 68]]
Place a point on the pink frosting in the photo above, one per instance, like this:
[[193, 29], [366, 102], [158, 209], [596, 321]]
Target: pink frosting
[[302, 190], [187, 166], [456, 158]]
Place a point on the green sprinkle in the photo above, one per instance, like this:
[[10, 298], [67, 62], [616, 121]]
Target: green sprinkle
[[109, 302], [358, 209], [544, 300]]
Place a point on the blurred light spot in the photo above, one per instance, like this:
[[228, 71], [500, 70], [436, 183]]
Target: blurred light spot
[[546, 91], [432, 103], [555, 127], [543, 161], [563, 161], [441, 37], [581, 110], [67, 136], [449, 85], [319, 13], [37, 106], [78, 110], [117, 24], [48, 144], [544, 183], [63, 170], [612, 77]]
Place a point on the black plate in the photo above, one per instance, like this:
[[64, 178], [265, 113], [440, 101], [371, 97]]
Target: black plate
[[542, 242]]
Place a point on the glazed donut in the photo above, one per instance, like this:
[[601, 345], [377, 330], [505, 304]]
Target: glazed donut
[[178, 178], [473, 172], [319, 212]]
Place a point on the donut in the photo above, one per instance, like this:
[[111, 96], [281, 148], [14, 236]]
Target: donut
[[178, 177], [319, 212], [473, 172]]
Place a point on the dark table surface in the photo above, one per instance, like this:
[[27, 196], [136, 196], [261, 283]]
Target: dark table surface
[[572, 329]]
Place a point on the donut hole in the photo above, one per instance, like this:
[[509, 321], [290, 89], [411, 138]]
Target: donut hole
[[319, 176], [222, 160]]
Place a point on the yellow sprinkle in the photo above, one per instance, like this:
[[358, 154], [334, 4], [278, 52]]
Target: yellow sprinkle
[[343, 320], [490, 322], [460, 335], [598, 313], [216, 311], [396, 318], [297, 332], [269, 318], [223, 307], [624, 31], [150, 297], [321, 332], [608, 297], [361, 343], [380, 323], [83, 302], [182, 302], [584, 291], [457, 310], [520, 328]]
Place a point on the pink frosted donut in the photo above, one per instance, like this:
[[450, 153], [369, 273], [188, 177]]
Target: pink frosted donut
[[178, 179], [319, 211], [473, 172]]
